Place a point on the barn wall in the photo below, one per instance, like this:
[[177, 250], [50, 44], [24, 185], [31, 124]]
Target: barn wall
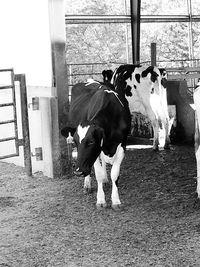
[[26, 45], [25, 40]]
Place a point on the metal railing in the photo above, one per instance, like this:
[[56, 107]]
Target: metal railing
[[25, 141], [14, 120], [175, 68]]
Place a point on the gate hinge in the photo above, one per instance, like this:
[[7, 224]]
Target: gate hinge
[[38, 153], [20, 142], [35, 103]]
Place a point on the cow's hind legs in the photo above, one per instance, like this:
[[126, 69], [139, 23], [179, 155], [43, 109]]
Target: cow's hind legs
[[167, 144], [155, 135], [167, 132]]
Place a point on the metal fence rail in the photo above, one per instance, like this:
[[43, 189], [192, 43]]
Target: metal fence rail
[[25, 141], [14, 120], [81, 72]]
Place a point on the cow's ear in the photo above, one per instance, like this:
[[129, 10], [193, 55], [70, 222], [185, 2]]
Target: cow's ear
[[97, 103]]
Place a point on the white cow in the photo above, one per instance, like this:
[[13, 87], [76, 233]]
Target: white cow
[[196, 97], [145, 87]]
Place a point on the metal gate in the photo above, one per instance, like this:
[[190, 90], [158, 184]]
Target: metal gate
[[8, 89]]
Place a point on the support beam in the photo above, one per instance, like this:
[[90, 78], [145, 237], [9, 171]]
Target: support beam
[[135, 29], [59, 79]]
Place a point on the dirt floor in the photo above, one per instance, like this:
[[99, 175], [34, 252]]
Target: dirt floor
[[51, 222]]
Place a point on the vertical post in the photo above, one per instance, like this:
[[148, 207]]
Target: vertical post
[[59, 73], [135, 29], [153, 54], [47, 142], [25, 123]]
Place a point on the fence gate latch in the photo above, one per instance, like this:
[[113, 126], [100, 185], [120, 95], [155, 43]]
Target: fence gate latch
[[38, 153], [35, 103]]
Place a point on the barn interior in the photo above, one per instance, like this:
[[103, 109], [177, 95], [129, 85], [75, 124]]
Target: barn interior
[[46, 219], [74, 42]]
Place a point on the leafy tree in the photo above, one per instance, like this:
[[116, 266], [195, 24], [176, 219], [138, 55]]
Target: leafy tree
[[90, 43]]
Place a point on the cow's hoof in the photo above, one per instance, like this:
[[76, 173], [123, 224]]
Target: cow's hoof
[[101, 206], [87, 190], [155, 147], [117, 207], [167, 147]]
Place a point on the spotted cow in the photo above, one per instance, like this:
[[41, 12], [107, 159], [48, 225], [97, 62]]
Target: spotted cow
[[145, 89], [196, 97], [101, 122]]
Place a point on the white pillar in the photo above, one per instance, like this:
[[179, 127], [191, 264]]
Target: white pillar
[[50, 134]]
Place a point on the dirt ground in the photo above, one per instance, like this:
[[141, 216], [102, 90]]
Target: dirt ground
[[52, 222]]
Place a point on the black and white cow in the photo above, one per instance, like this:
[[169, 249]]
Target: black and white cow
[[145, 87], [196, 97], [101, 120]]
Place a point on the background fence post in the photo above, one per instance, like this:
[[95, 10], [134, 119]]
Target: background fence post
[[153, 54]]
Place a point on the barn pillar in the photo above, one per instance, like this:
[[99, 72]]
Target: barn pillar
[[135, 29], [59, 81]]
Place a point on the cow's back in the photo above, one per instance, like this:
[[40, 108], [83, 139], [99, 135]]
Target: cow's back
[[81, 96]]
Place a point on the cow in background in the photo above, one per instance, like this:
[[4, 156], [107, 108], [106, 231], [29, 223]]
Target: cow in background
[[196, 96], [101, 122], [145, 89]]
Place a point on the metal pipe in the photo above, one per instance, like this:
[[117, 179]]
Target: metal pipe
[[6, 87], [6, 105], [14, 111], [82, 19], [6, 122], [8, 139], [25, 123]]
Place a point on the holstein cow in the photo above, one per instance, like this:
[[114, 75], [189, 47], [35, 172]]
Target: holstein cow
[[101, 120], [196, 97], [145, 85]]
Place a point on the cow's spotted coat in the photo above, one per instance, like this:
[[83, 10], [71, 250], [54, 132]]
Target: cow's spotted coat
[[145, 88]]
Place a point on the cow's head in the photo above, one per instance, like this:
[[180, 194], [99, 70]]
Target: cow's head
[[89, 141]]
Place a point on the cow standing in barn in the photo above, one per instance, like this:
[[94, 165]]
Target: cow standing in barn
[[145, 86], [101, 123], [196, 97]]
